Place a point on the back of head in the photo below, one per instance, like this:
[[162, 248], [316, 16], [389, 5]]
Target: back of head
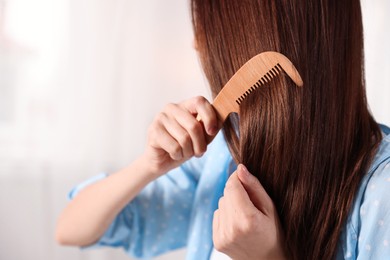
[[310, 146]]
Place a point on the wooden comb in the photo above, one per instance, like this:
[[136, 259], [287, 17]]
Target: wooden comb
[[256, 72]]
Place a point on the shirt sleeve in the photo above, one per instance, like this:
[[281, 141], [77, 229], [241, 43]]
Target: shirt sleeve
[[374, 235], [157, 220]]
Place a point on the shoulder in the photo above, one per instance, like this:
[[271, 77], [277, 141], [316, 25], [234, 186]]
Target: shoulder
[[377, 186], [373, 209], [378, 177], [374, 215], [366, 234], [377, 193]]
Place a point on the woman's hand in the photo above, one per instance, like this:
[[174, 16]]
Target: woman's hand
[[246, 224], [176, 135]]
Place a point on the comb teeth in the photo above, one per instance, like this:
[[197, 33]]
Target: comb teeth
[[273, 72]]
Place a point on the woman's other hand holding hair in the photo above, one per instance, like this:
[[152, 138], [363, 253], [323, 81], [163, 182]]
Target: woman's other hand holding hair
[[246, 224], [176, 135]]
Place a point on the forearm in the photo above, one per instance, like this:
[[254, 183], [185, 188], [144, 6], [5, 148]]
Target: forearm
[[174, 137], [90, 213]]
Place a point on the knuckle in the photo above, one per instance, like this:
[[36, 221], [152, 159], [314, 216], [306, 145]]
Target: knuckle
[[236, 230], [185, 138], [230, 236], [194, 126], [249, 222], [229, 184], [175, 150], [245, 227], [215, 214], [255, 182], [239, 229], [202, 148], [199, 100], [190, 154], [154, 130], [151, 130], [221, 202], [219, 244], [170, 106], [160, 118], [199, 151]]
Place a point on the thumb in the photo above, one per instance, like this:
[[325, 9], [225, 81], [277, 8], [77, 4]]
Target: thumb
[[255, 190]]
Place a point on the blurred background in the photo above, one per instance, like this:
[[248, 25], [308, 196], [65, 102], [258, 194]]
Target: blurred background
[[81, 80]]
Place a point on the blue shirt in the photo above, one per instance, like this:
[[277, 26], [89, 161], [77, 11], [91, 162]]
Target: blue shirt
[[176, 210]]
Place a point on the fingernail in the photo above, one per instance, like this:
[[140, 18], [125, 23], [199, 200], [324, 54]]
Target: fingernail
[[213, 130], [199, 155], [246, 174]]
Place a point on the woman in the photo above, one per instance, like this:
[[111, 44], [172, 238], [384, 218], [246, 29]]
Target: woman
[[316, 151]]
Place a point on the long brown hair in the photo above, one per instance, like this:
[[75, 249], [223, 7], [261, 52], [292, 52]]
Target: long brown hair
[[310, 147]]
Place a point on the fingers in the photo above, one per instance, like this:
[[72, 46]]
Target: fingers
[[177, 131], [202, 107], [244, 200], [237, 196], [179, 146], [235, 217], [240, 229], [255, 190], [191, 126]]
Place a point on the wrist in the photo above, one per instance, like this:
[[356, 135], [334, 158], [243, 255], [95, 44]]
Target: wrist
[[144, 166]]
